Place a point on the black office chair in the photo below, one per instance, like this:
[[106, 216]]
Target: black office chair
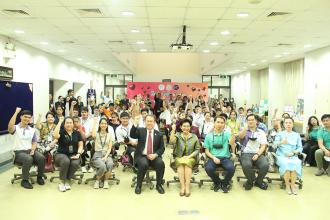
[[148, 180], [19, 176]]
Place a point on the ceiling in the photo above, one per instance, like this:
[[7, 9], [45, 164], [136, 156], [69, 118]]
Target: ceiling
[[92, 40]]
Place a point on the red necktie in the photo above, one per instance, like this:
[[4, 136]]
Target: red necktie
[[149, 145]]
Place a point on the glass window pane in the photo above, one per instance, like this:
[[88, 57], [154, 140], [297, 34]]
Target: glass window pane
[[220, 81], [207, 79]]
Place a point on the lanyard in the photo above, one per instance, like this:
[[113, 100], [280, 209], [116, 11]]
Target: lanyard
[[105, 140]]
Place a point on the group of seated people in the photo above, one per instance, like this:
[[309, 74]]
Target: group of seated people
[[190, 127]]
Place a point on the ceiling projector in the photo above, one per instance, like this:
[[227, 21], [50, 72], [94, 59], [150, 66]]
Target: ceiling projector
[[183, 46]]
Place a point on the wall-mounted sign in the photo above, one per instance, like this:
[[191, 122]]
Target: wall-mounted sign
[[6, 73]]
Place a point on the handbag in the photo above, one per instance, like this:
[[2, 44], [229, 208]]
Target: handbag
[[49, 167]]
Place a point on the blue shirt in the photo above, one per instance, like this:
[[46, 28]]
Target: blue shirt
[[294, 143]]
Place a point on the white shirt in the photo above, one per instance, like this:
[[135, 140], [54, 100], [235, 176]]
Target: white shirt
[[166, 115], [88, 125], [253, 146], [198, 119], [152, 141], [24, 137], [206, 128], [122, 132], [142, 124]]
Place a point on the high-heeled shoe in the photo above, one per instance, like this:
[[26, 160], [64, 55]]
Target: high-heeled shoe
[[182, 193], [288, 190], [294, 190], [187, 194]]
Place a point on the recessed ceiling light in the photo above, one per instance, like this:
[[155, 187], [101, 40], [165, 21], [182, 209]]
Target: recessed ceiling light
[[225, 32], [263, 61], [143, 50], [253, 64], [80, 59], [139, 42], [19, 32], [127, 13], [307, 45], [277, 56], [206, 51], [242, 14], [135, 31], [44, 43], [214, 43]]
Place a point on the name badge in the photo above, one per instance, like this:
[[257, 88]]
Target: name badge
[[70, 149]]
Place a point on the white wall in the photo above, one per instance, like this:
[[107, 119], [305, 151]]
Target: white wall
[[35, 66], [240, 85], [276, 92], [317, 83], [154, 67]]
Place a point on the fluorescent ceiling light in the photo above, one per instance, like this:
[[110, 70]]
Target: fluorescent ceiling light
[[139, 42], [307, 45], [127, 13], [214, 43], [143, 50], [242, 14], [206, 51], [44, 43], [225, 33], [135, 31], [19, 32]]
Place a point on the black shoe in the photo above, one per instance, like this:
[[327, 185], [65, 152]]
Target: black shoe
[[26, 184], [261, 185], [101, 184], [217, 187], [40, 180], [225, 188], [138, 190], [247, 185], [160, 189]]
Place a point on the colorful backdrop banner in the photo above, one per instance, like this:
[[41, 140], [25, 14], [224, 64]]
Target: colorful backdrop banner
[[167, 89]]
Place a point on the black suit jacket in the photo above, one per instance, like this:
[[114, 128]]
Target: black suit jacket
[[141, 135]]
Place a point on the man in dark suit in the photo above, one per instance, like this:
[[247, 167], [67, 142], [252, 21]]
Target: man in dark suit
[[149, 151]]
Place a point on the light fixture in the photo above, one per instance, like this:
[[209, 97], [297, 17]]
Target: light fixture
[[263, 61], [253, 64], [143, 50], [135, 31], [127, 13], [307, 45], [61, 51], [88, 63], [224, 33], [206, 51], [139, 42], [286, 53], [44, 43], [19, 32], [242, 14], [214, 43], [277, 56], [79, 59]]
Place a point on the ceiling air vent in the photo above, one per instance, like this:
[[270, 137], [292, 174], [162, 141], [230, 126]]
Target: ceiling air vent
[[115, 42], [67, 42], [284, 44], [276, 13], [12, 12], [90, 12], [237, 43]]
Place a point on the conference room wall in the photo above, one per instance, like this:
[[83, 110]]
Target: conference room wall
[[317, 83], [38, 67]]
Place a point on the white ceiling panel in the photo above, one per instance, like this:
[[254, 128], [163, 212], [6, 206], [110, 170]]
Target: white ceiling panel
[[205, 13]]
